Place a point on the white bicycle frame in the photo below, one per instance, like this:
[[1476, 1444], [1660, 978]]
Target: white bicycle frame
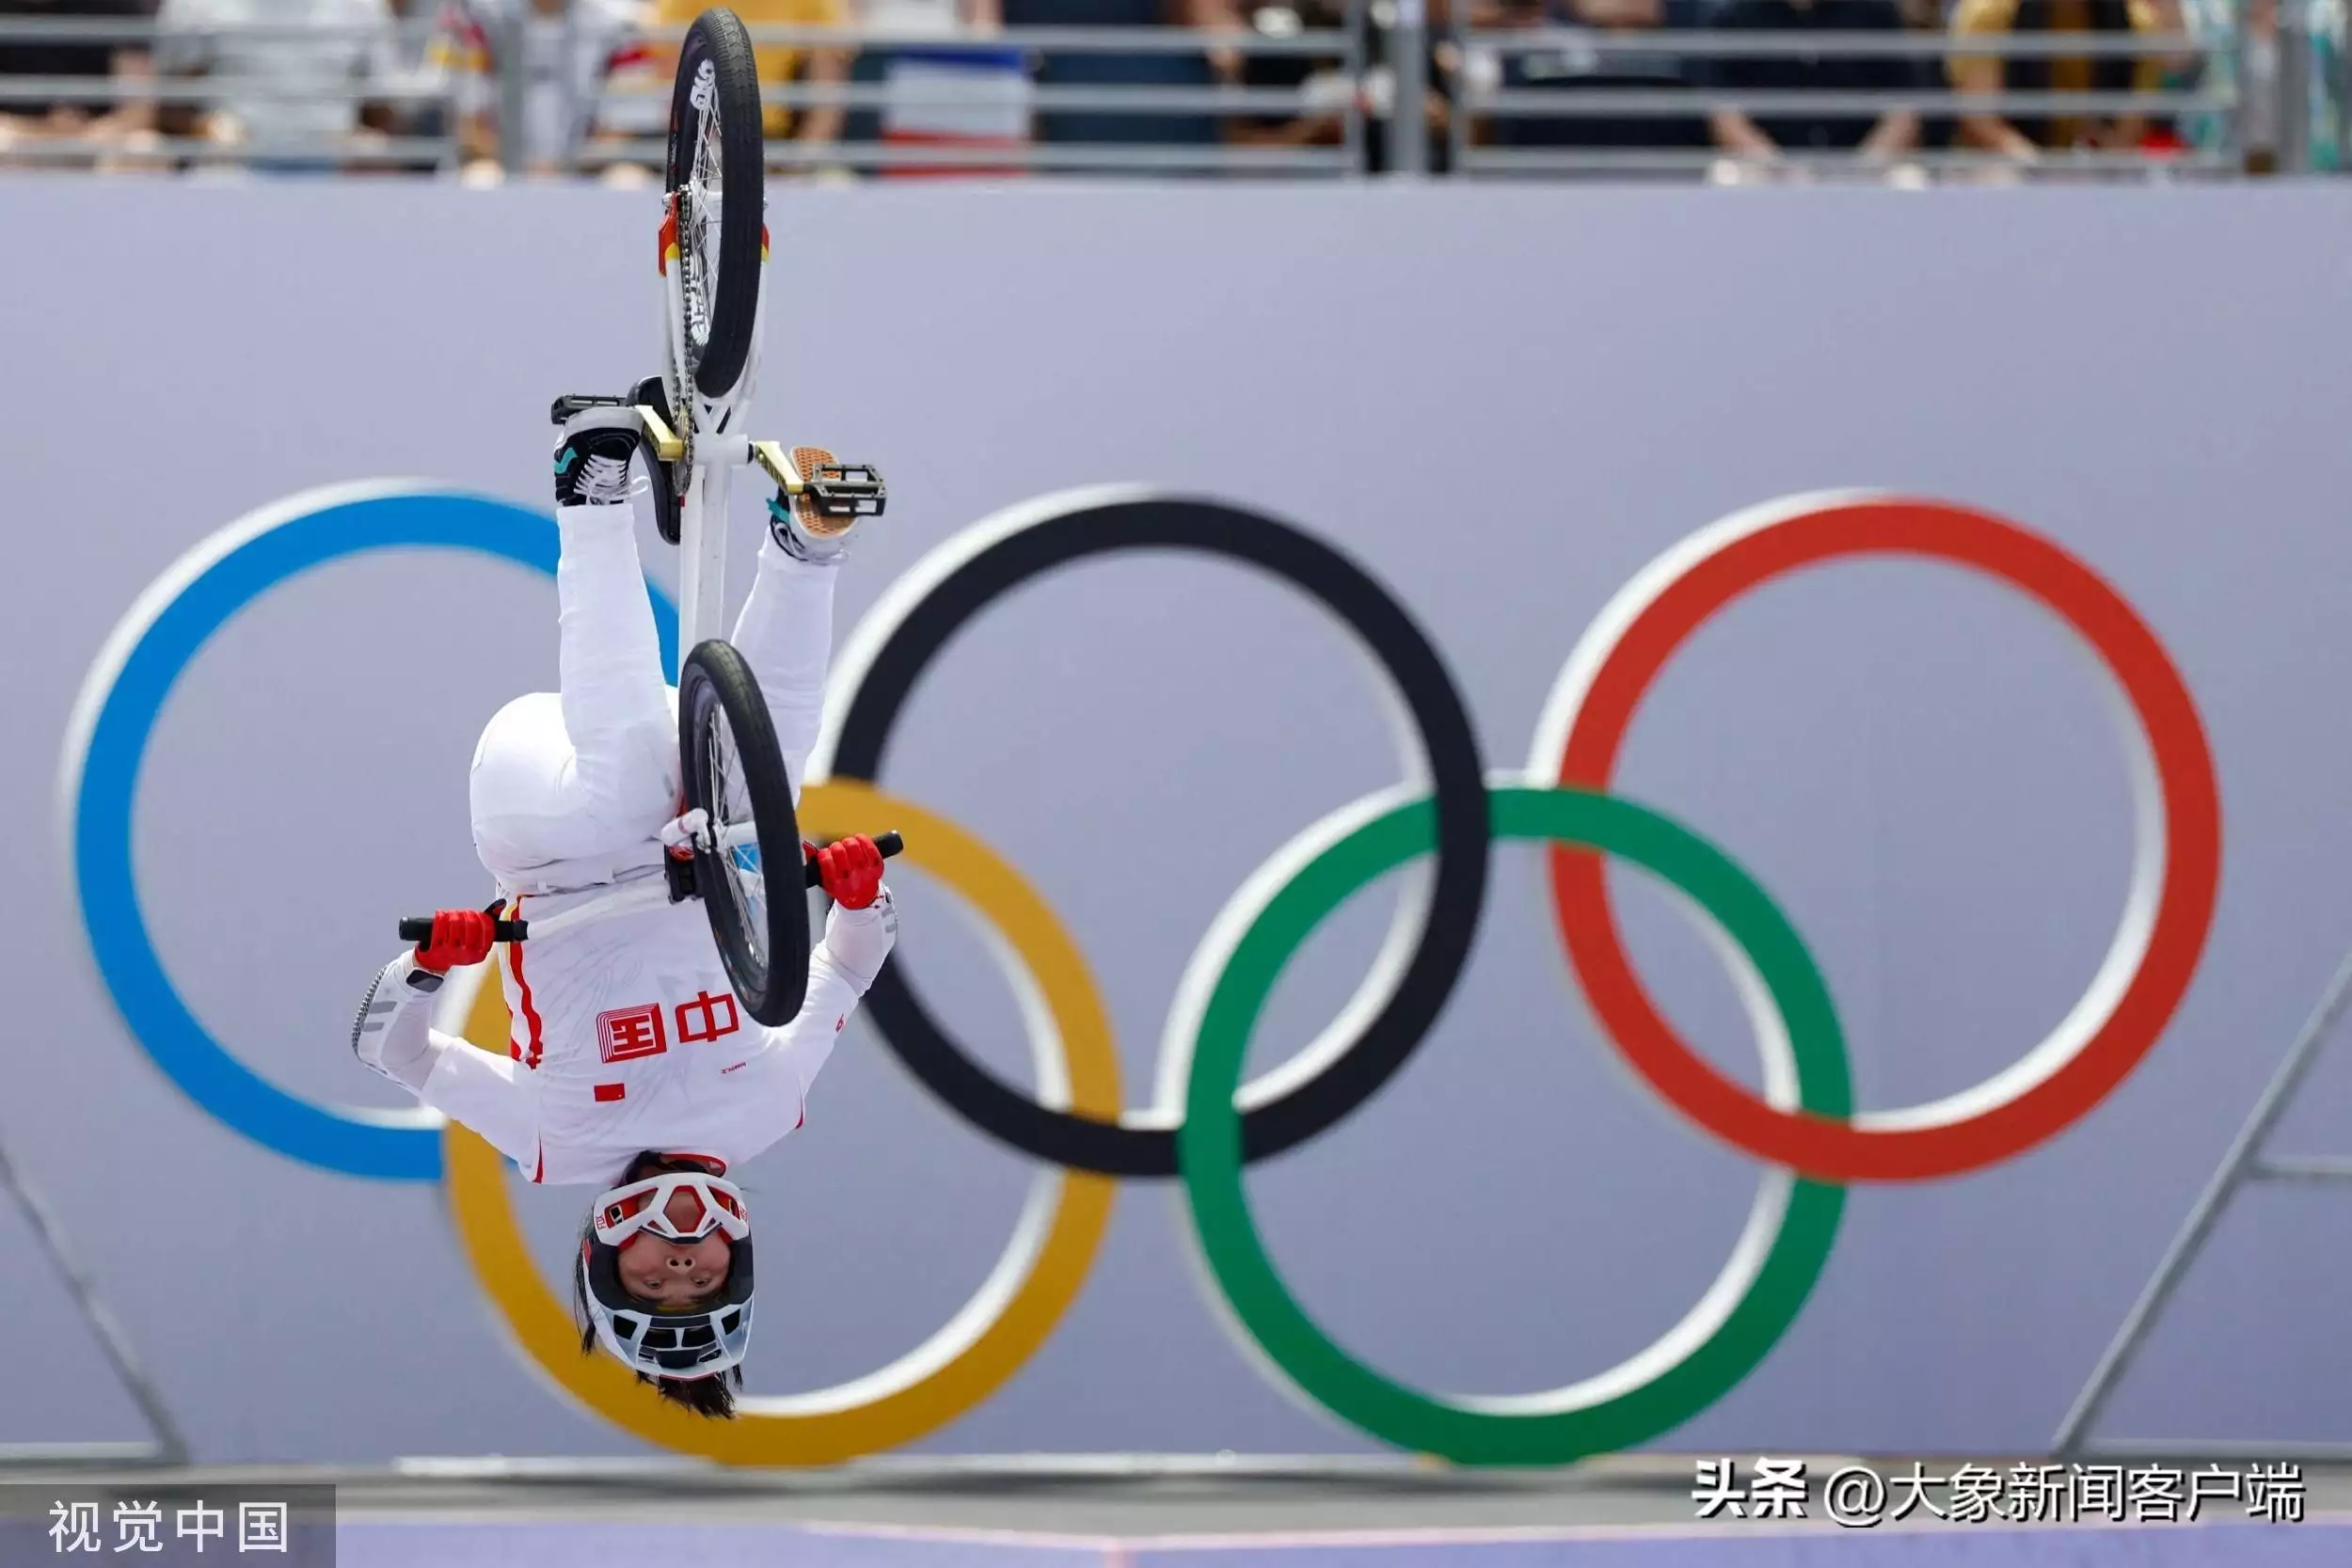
[[713, 431]]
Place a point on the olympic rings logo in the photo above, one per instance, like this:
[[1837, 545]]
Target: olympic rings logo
[[1209, 1126]]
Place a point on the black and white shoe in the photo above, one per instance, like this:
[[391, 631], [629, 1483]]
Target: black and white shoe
[[600, 436]]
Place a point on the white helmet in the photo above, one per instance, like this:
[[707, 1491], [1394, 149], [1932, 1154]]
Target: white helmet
[[702, 1342]]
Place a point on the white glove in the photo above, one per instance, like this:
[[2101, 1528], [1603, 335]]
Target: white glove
[[857, 941]]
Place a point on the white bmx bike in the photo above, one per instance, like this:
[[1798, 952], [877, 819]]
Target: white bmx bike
[[739, 818]]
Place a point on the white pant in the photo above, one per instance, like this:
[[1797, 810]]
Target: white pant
[[572, 790]]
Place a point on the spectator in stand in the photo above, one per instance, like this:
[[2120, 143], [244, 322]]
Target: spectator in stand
[[415, 70], [1323, 122], [989, 84], [569, 48], [2247, 34], [1323, 79], [1765, 140], [1921, 17], [297, 105], [126, 118], [1577, 67], [1157, 69], [2024, 137]]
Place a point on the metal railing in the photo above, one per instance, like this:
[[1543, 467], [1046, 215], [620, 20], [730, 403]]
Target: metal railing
[[2208, 58], [1210, 102], [188, 120], [406, 96]]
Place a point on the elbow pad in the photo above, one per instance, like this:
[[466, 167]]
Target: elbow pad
[[393, 1033], [857, 941]]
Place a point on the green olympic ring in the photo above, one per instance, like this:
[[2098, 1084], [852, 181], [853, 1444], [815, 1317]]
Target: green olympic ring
[[1772, 1268]]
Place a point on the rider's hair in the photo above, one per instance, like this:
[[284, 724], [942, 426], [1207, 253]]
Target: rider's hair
[[704, 1396]]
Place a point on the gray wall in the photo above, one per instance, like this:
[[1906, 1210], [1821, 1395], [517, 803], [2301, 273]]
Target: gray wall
[[1917, 763]]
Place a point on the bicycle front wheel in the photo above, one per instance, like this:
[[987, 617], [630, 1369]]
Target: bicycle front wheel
[[717, 173], [734, 773]]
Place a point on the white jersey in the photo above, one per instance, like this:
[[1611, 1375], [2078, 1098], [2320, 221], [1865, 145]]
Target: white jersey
[[626, 1036]]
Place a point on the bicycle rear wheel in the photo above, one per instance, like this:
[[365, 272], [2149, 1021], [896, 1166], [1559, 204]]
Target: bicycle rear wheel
[[734, 773], [717, 172]]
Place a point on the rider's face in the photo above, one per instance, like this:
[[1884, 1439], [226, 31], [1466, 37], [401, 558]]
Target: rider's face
[[676, 1273]]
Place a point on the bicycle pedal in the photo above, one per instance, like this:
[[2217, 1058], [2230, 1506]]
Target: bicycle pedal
[[571, 405], [847, 490]]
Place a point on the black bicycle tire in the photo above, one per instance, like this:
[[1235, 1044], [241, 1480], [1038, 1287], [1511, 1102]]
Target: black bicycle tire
[[715, 679], [719, 36]]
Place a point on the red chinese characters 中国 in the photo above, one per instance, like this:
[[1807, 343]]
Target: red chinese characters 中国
[[707, 1018], [626, 1032]]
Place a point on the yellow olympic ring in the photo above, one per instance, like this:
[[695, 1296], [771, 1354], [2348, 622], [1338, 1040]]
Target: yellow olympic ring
[[968, 1359]]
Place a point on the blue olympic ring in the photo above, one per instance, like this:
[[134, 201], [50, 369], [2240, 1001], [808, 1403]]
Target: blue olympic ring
[[165, 632]]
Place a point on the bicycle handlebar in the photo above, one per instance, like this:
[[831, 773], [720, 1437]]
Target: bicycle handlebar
[[419, 928], [889, 844]]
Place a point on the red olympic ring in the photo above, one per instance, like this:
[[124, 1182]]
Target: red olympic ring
[[2165, 926]]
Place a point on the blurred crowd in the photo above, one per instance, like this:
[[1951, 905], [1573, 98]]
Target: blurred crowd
[[1635, 47], [2196, 46], [492, 89]]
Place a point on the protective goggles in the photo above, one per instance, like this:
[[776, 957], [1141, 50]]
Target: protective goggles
[[644, 1207]]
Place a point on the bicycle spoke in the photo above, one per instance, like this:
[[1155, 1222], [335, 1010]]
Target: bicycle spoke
[[731, 814], [705, 187]]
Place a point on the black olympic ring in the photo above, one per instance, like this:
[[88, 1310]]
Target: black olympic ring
[[1448, 917]]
